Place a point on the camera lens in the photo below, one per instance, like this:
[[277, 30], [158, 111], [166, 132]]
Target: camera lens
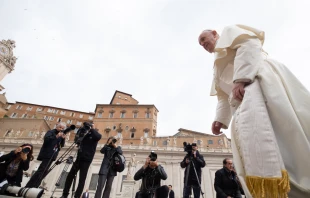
[[26, 150]]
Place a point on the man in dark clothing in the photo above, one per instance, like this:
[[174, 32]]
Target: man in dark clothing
[[152, 174], [86, 152], [106, 172], [225, 182], [53, 141], [171, 192], [192, 181]]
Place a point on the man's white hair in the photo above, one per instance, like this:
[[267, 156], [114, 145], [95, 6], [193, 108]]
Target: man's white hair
[[61, 124]]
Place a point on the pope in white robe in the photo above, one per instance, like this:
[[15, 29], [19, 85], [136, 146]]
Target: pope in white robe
[[270, 110]]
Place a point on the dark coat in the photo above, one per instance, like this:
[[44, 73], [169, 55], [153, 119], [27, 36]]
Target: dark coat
[[50, 145], [108, 151], [89, 145], [23, 166], [199, 163], [171, 194], [226, 185], [151, 178]]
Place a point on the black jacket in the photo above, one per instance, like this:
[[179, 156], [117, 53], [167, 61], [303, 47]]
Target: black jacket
[[88, 146], [171, 194], [23, 166], [150, 178], [50, 145], [199, 163], [108, 151], [225, 184]]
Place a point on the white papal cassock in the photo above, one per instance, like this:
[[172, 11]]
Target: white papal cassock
[[271, 127]]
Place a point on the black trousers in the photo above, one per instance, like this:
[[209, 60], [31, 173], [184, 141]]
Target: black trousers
[[106, 182], [39, 175], [81, 166], [161, 192], [187, 191]]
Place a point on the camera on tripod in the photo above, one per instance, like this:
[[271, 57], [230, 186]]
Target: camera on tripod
[[188, 147], [82, 132]]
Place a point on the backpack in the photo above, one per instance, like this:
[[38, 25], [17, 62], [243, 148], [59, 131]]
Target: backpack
[[119, 162]]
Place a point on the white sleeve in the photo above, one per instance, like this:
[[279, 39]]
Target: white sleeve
[[223, 112], [248, 58]]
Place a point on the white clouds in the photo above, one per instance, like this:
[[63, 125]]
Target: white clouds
[[75, 54]]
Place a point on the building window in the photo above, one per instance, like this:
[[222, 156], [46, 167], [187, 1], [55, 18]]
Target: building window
[[90, 117], [14, 115], [122, 114], [114, 127], [146, 134], [147, 115], [45, 118], [24, 116], [117, 103], [72, 114], [19, 107], [8, 107], [29, 108], [119, 96], [99, 115], [51, 118], [49, 110], [55, 126], [111, 115], [199, 142], [135, 115], [34, 116], [59, 120], [165, 143], [81, 115], [132, 135], [76, 130], [69, 121], [154, 143], [78, 123], [127, 128], [39, 109], [210, 141]]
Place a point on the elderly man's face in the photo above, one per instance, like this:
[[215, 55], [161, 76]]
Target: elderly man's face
[[229, 165], [207, 39], [60, 128]]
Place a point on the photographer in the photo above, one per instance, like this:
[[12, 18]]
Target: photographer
[[107, 172], [53, 141], [87, 138], [14, 163], [193, 157], [152, 174]]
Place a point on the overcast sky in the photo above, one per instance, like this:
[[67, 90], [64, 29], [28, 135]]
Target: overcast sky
[[75, 54]]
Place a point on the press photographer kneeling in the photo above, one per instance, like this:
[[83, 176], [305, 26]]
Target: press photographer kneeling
[[152, 174], [108, 169], [192, 162], [87, 139]]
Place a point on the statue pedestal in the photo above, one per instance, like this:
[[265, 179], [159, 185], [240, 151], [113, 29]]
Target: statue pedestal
[[128, 188]]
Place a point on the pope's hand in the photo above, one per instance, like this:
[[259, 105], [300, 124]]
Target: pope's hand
[[216, 128], [238, 90]]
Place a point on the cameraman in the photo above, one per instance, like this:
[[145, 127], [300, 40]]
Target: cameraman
[[53, 141], [152, 174], [107, 172], [88, 138], [194, 156]]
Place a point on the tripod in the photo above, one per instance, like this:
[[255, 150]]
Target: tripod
[[68, 162], [191, 163]]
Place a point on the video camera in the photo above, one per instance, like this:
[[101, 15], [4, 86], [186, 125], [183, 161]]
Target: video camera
[[153, 156], [72, 127], [19, 191], [82, 132], [188, 148]]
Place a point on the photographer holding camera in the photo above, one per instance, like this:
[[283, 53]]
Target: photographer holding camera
[[107, 171], [151, 174], [191, 180], [87, 139], [14, 163], [53, 140]]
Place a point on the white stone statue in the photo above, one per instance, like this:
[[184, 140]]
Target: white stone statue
[[17, 133], [175, 141], [11, 133], [30, 134], [220, 142], [141, 140], [168, 141], [36, 135], [121, 140], [42, 135], [131, 167]]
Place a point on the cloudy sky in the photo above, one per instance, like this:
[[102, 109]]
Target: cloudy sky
[[74, 54]]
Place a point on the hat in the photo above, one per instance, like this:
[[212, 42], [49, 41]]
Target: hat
[[194, 144]]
